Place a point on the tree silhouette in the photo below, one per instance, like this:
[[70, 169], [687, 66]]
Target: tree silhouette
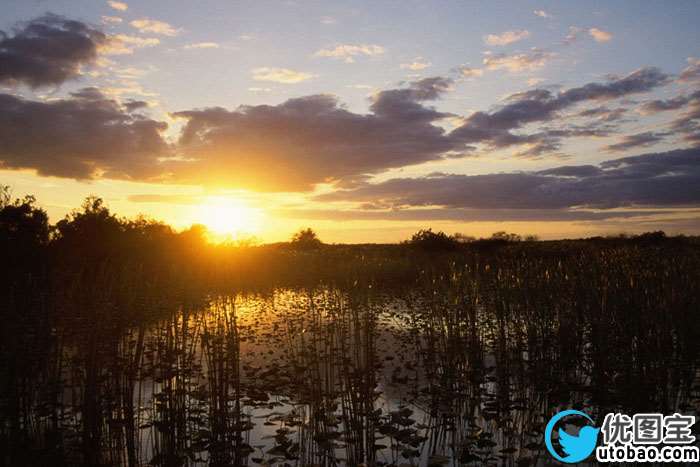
[[429, 240], [306, 239]]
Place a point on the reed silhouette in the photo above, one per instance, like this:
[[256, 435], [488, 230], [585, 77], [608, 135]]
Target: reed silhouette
[[124, 342]]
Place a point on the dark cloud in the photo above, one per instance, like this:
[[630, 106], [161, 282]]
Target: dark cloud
[[84, 136], [662, 105], [405, 104], [578, 171], [133, 105], [604, 114], [295, 145], [47, 51], [648, 138], [301, 142], [656, 179], [461, 215], [687, 124], [495, 129]]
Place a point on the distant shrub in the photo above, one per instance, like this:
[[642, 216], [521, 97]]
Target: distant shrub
[[651, 237], [429, 240], [306, 239], [505, 236]]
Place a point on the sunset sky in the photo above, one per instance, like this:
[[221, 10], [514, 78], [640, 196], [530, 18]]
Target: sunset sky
[[364, 120]]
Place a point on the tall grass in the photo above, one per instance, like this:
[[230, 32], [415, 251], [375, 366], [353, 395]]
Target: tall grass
[[148, 347]]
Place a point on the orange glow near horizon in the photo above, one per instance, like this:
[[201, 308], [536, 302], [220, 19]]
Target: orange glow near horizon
[[228, 218]]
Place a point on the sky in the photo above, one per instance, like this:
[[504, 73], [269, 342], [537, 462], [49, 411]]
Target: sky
[[366, 121]]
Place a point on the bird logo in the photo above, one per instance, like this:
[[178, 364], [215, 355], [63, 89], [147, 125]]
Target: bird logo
[[576, 448]]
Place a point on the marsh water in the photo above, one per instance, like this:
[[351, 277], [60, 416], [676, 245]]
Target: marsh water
[[344, 376]]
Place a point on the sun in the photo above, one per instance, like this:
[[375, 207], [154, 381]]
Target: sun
[[228, 217]]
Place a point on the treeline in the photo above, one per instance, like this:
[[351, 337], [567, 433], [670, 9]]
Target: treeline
[[132, 261], [92, 241]]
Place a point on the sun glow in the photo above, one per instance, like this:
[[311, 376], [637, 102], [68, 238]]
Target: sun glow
[[229, 218]]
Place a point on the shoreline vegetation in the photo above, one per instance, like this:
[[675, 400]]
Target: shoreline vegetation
[[92, 237], [126, 343]]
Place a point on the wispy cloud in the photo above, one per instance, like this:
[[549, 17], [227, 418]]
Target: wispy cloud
[[347, 52], [507, 37], [599, 35], [572, 35], [526, 61], [280, 75], [691, 73], [645, 139], [123, 44], [119, 6], [542, 14], [469, 72], [154, 26], [496, 129], [111, 19], [328, 20], [202, 45], [416, 65]]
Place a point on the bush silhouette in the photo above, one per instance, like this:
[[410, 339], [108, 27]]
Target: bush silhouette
[[429, 240], [306, 239]]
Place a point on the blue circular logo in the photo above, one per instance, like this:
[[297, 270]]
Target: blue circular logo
[[576, 448]]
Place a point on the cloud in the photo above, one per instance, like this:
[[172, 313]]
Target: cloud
[[657, 179], [418, 64], [604, 114], [573, 35], [542, 14], [348, 52], [507, 37], [47, 51], [202, 45], [154, 26], [86, 135], [119, 6], [132, 105], [123, 44], [518, 62], [469, 72], [280, 75], [691, 74], [687, 123], [645, 139], [301, 142], [111, 19], [662, 105], [370, 212], [599, 35], [495, 128], [305, 141], [328, 20]]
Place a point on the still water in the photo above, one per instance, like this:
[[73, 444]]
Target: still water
[[328, 377]]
